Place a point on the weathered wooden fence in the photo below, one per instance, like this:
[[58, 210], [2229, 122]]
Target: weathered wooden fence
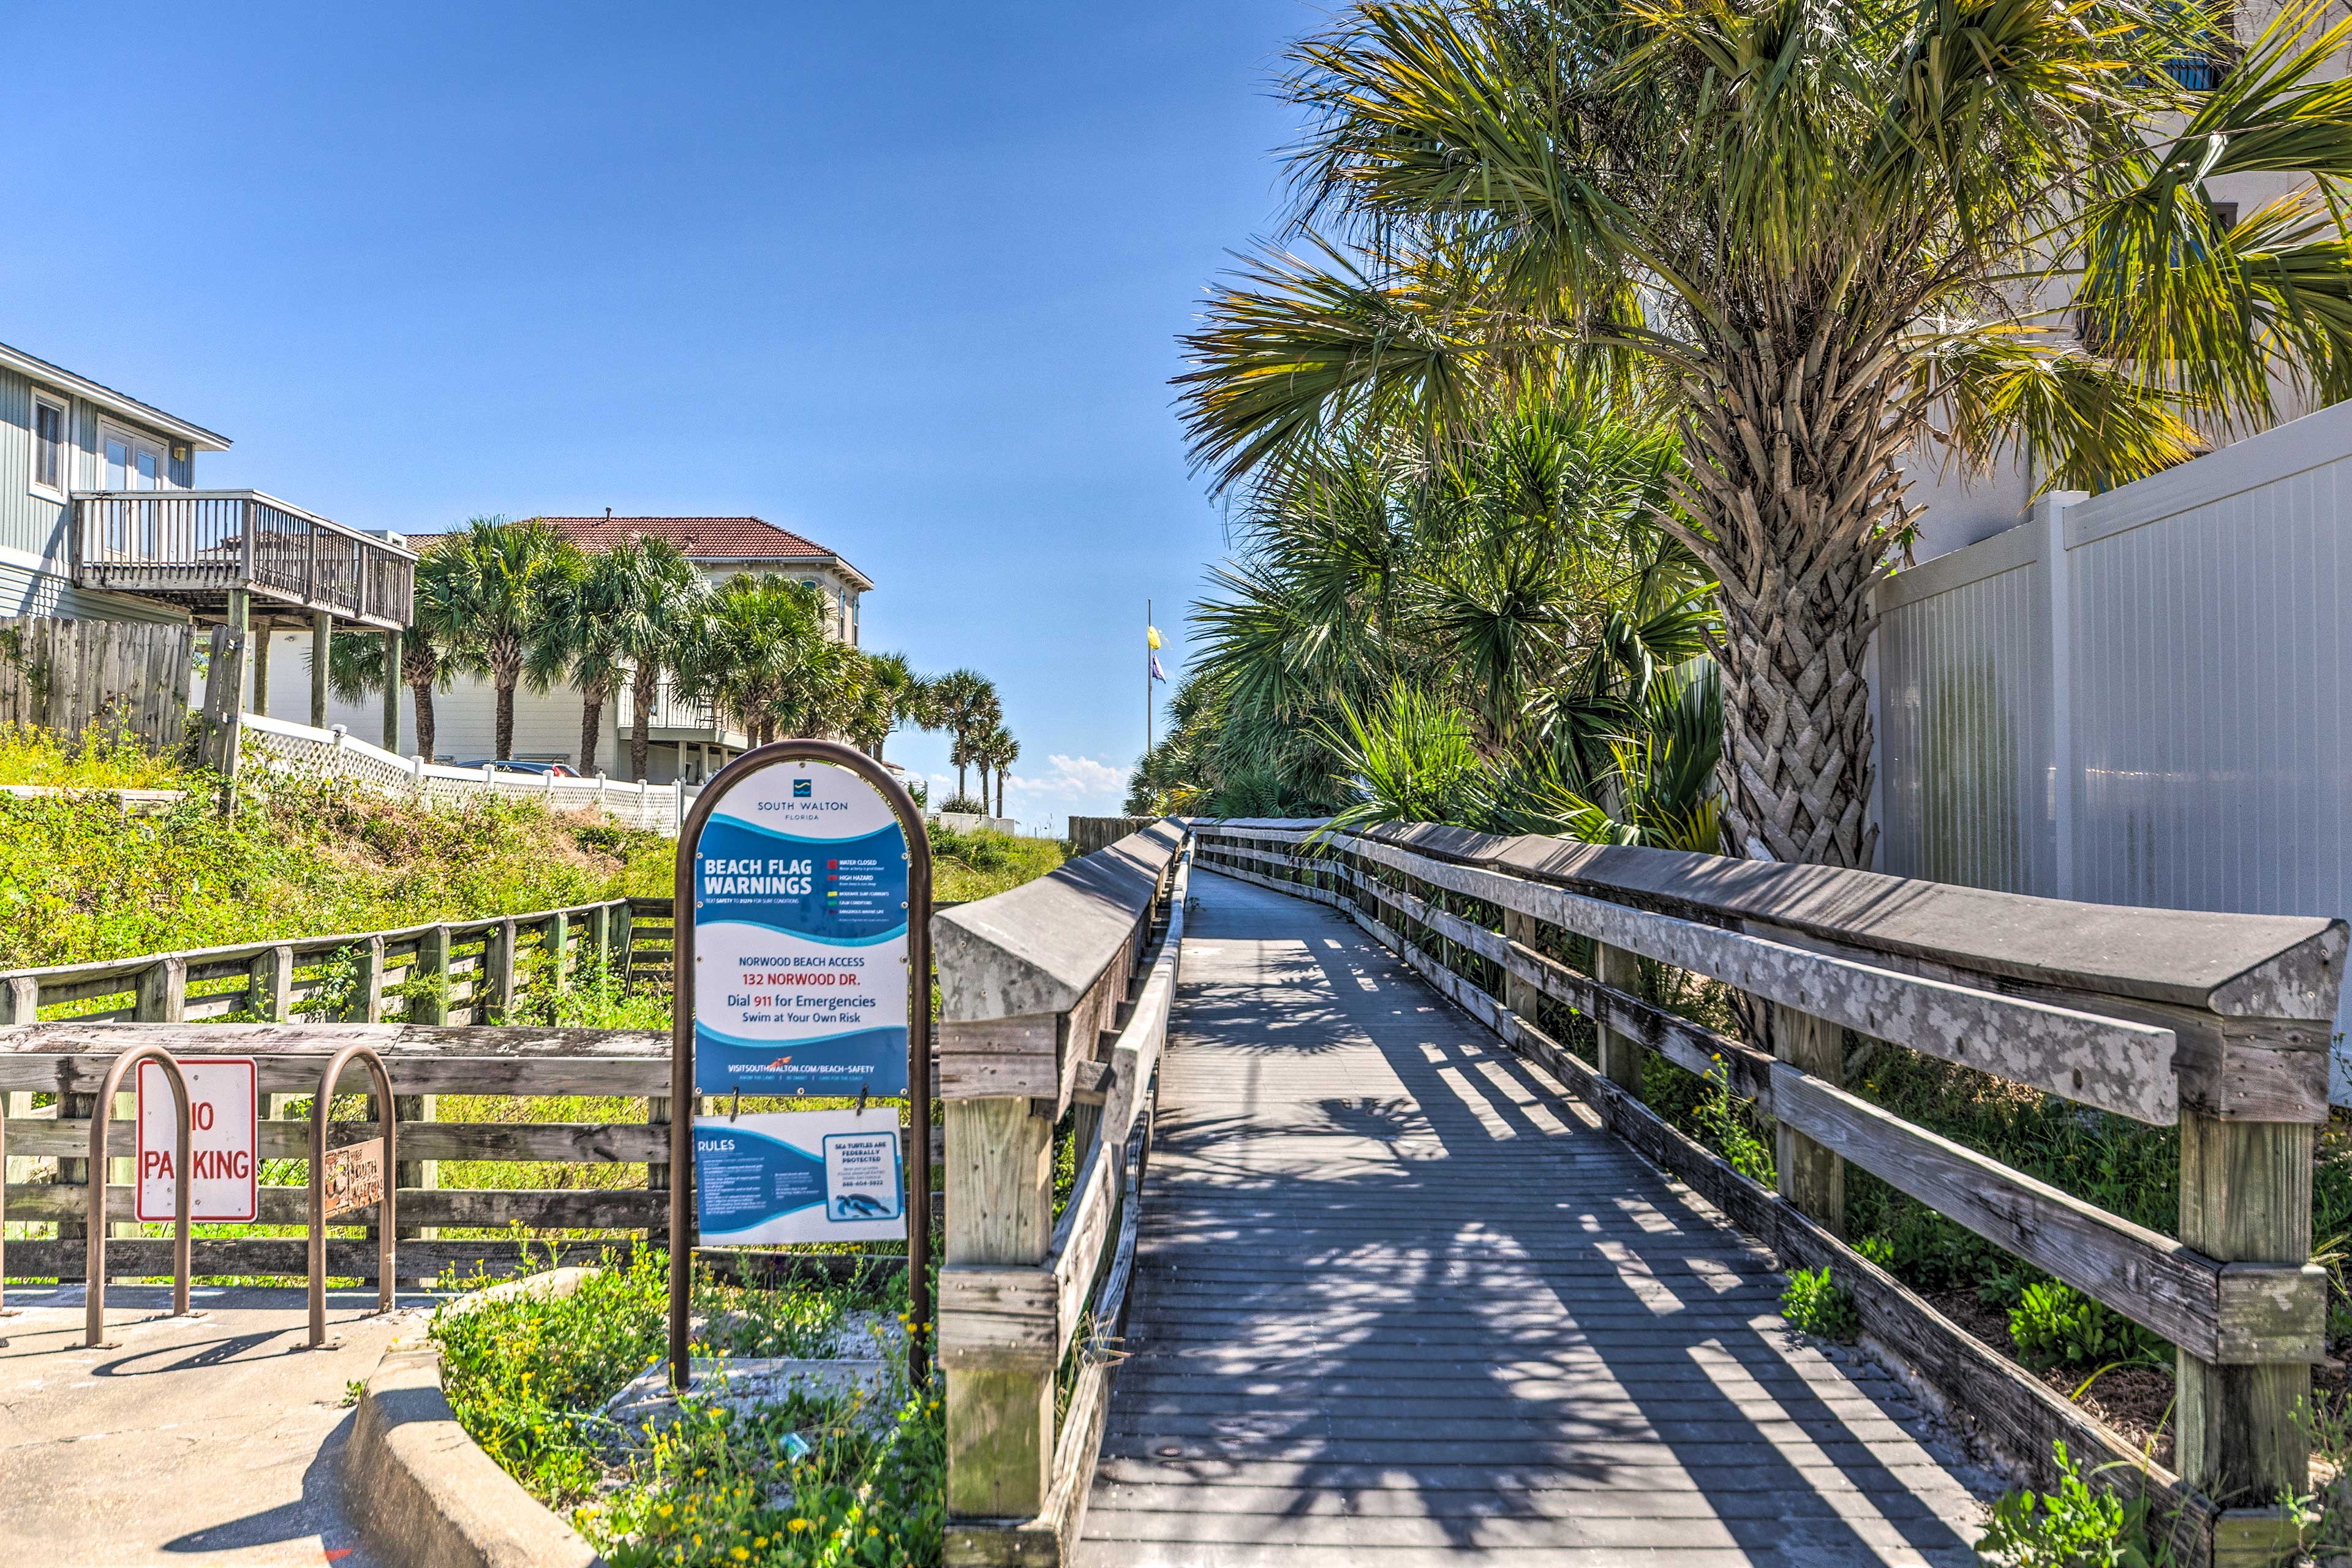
[[445, 981], [1088, 834], [2217, 1023], [68, 677], [1054, 1009]]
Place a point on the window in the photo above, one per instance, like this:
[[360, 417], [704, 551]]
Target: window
[[48, 445], [133, 462]]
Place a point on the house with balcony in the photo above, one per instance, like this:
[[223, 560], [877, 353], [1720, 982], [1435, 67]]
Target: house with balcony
[[101, 518], [687, 743]]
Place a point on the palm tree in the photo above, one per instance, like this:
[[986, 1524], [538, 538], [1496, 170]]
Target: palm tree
[[999, 751], [967, 707], [356, 664], [1518, 583], [904, 697], [596, 635], [660, 595], [504, 581], [760, 655], [1822, 238]]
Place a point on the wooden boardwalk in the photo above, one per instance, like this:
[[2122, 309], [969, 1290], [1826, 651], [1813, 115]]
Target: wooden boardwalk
[[1399, 1301]]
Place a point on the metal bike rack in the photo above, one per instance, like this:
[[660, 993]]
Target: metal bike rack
[[320, 1110], [102, 1117]]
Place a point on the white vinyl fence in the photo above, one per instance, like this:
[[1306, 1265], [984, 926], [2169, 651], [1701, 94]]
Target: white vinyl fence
[[336, 753], [2139, 697]]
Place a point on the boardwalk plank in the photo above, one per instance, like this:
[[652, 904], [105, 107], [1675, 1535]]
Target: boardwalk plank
[[1398, 1302]]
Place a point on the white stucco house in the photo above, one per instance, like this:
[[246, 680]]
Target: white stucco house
[[687, 743]]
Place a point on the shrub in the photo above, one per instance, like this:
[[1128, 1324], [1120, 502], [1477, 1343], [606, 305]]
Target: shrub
[[79, 880], [2073, 1527], [2056, 1325], [965, 804], [1727, 1121], [1814, 1304]]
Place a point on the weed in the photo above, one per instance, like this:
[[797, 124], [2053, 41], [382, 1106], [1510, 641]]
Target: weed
[[2074, 1527], [2056, 1325], [81, 882], [340, 974], [103, 757], [1728, 1122], [1815, 1304], [801, 1482]]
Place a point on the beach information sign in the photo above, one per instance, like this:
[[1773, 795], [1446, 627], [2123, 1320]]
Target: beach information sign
[[799, 1175], [799, 937]]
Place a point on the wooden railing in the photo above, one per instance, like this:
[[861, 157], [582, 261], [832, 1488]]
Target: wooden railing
[[473, 970], [1053, 1010], [469, 968], [206, 543], [2217, 1023]]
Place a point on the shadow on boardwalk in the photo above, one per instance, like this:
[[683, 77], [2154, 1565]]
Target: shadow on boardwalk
[[1399, 1301]]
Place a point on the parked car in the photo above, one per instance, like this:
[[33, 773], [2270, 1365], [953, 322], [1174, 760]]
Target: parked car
[[504, 765]]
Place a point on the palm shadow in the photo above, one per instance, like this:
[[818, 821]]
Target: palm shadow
[[1396, 1288]]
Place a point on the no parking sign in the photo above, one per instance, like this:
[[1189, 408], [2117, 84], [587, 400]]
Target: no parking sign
[[223, 1159]]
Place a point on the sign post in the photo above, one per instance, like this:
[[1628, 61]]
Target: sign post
[[804, 968]]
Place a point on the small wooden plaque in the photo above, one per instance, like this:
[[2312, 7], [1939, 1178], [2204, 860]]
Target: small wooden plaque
[[354, 1176]]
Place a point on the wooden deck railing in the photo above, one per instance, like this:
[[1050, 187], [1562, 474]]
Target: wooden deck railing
[[445, 1044], [1054, 1009], [198, 545], [2217, 1023]]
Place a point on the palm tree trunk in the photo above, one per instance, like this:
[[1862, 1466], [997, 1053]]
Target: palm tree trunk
[[1793, 471], [645, 683], [1000, 792], [592, 722], [506, 719], [421, 691]]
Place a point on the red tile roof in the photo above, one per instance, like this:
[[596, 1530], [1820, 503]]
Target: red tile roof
[[701, 538]]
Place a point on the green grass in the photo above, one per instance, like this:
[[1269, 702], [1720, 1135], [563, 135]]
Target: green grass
[[99, 761], [526, 1378], [968, 866], [79, 880]]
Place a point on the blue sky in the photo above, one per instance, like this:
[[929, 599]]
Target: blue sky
[[906, 278]]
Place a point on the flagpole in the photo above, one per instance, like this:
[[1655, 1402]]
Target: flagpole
[[1146, 677]]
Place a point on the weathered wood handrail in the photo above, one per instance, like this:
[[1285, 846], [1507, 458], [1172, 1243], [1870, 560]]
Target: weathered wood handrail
[[274, 984], [526, 1061], [2216, 1021], [1043, 1013]]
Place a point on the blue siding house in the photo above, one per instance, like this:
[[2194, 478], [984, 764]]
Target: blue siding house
[[100, 519], [61, 433]]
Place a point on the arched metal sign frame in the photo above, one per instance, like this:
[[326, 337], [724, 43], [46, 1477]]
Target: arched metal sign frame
[[321, 1110], [101, 1114], [682, 1102]]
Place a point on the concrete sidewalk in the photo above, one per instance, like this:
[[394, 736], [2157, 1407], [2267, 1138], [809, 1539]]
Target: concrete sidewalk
[[202, 1441]]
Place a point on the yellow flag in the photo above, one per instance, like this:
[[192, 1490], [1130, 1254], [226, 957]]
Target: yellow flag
[[1151, 635]]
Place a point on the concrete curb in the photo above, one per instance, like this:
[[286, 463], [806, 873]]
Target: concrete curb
[[423, 1493]]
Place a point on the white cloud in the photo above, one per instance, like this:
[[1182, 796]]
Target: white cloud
[[1067, 785], [1069, 779]]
